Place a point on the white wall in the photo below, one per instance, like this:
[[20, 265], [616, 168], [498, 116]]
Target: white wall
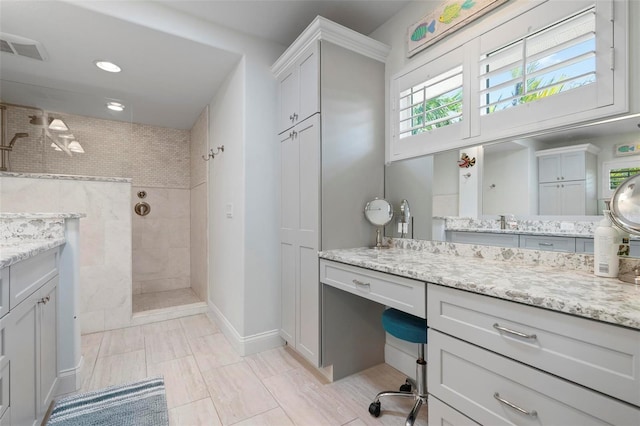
[[262, 200], [226, 186]]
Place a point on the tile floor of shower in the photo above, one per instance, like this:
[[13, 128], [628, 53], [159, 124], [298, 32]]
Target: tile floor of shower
[[164, 299]]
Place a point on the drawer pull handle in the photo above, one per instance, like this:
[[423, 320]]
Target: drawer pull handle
[[546, 244], [532, 413], [44, 300], [514, 332], [359, 283]]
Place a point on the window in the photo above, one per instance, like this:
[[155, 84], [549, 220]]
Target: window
[[614, 172], [617, 176], [431, 104], [532, 67], [555, 59]]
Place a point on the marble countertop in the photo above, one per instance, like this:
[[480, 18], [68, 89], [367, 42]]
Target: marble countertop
[[42, 215], [65, 177], [573, 292], [15, 252]]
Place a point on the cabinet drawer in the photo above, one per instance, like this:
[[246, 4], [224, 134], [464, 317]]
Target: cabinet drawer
[[4, 291], [535, 242], [483, 238], [31, 274], [441, 414], [601, 356], [472, 380], [397, 292], [4, 388]]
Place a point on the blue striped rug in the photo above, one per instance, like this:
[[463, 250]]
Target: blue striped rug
[[135, 404]]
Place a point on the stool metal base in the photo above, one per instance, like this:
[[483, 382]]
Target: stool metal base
[[418, 392]]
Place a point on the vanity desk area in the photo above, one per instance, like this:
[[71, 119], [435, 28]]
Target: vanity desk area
[[515, 336]]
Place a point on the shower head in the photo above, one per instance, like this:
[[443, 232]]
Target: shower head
[[16, 137]]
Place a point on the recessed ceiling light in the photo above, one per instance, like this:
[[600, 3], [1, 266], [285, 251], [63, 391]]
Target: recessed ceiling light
[[115, 106], [107, 66]]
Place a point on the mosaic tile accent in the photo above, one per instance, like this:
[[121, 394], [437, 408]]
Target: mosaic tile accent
[[149, 155]]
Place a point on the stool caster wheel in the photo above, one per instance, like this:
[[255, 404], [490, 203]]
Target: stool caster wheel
[[405, 388], [374, 409]]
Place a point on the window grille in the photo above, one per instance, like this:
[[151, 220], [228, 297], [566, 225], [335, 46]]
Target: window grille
[[556, 59], [617, 176], [434, 103]]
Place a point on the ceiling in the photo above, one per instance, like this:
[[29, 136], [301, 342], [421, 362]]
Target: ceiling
[[166, 80]]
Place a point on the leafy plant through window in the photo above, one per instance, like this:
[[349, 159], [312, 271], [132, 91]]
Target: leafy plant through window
[[553, 60], [431, 104], [617, 176]]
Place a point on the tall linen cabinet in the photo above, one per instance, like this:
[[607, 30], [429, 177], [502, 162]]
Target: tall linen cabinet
[[331, 134]]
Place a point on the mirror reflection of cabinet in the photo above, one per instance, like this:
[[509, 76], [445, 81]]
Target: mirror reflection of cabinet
[[567, 179]]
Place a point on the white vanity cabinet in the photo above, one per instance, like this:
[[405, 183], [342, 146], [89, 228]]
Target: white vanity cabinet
[[500, 362], [567, 179], [29, 340], [331, 162]]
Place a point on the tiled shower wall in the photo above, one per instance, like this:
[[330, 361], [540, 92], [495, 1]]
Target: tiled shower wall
[[158, 161]]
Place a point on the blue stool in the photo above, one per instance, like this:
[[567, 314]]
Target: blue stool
[[412, 329]]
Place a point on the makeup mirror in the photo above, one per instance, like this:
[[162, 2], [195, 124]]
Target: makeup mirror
[[625, 205], [378, 212]]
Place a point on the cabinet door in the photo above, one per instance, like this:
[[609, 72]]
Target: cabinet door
[[308, 140], [289, 224], [573, 197], [549, 168], [48, 323], [299, 238], [288, 88], [573, 166], [309, 83], [549, 199], [23, 346]]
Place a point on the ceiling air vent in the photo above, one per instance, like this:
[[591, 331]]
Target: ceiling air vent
[[20, 46]]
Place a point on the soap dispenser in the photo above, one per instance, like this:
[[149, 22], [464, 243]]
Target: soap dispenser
[[605, 250]]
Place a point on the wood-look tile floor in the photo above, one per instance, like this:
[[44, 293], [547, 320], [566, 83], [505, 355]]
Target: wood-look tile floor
[[208, 383]]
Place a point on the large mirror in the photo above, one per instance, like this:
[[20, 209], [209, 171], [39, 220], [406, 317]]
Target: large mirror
[[510, 177]]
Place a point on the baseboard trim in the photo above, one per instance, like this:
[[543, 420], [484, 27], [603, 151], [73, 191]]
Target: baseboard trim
[[400, 360], [245, 345], [69, 380]]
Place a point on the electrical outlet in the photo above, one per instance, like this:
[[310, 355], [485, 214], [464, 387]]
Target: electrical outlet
[[229, 210]]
